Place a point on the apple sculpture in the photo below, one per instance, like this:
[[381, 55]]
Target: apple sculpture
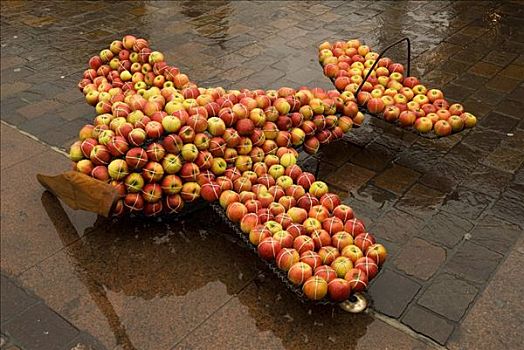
[[163, 142], [386, 92]]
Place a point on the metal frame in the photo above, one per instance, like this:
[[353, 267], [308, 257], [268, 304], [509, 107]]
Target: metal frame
[[406, 39]]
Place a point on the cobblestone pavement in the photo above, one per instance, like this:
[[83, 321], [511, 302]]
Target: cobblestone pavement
[[450, 211]]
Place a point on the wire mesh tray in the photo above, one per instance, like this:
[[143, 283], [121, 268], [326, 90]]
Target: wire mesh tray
[[429, 135], [283, 276]]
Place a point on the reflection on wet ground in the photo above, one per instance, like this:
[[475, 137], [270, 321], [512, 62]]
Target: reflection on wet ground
[[160, 284], [169, 262]]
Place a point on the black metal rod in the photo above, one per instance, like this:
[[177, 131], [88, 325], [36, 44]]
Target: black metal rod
[[380, 56]]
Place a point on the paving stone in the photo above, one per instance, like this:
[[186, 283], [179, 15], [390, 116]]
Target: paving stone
[[337, 153], [396, 226], [510, 205], [38, 125], [391, 292], [519, 177], [500, 122], [12, 89], [362, 135], [479, 108], [438, 77], [440, 145], [40, 328], [499, 58], [496, 234], [467, 55], [473, 262], [488, 96], [213, 39], [466, 203], [396, 179], [513, 71], [38, 109], [464, 156], [264, 316], [516, 95], [75, 111], [14, 300], [484, 69], [420, 259], [514, 140], [448, 296], [502, 83], [420, 201], [505, 159], [371, 201], [487, 180], [495, 320], [395, 138], [350, 177], [470, 81], [445, 175], [457, 92], [446, 229], [374, 157], [420, 158], [85, 341], [484, 139], [455, 67], [519, 60], [428, 323]]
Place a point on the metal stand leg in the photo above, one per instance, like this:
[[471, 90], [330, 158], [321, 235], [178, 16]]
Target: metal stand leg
[[355, 304]]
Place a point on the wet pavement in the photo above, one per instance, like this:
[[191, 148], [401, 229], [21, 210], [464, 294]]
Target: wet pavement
[[450, 211]]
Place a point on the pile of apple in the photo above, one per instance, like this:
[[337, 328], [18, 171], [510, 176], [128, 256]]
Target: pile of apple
[[305, 230], [162, 142], [158, 137], [398, 99]]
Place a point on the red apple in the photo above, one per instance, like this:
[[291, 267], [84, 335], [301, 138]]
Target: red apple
[[330, 201], [325, 272], [328, 254], [352, 252], [235, 211], [269, 248], [339, 289], [249, 222], [299, 273], [423, 125], [315, 288], [354, 227], [442, 128], [357, 279], [286, 258], [364, 241], [377, 252], [343, 212], [456, 122], [341, 239], [303, 243], [296, 230], [321, 238], [307, 201], [134, 202], [342, 265], [368, 265], [258, 234]]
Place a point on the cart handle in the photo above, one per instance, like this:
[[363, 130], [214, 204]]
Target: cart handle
[[406, 39]]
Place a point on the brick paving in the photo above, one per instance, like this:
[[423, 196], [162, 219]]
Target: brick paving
[[31, 324], [450, 211]]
